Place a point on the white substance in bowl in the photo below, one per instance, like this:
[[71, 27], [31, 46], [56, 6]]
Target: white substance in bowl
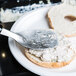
[[60, 53], [10, 15]]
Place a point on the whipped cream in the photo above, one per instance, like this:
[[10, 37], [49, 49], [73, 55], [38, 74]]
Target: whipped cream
[[60, 53]]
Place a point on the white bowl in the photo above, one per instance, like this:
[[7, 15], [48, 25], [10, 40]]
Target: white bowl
[[34, 20]]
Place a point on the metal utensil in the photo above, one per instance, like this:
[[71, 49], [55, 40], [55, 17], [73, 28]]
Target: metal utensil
[[36, 39]]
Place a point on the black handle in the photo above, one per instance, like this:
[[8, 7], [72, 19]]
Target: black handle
[[0, 27]]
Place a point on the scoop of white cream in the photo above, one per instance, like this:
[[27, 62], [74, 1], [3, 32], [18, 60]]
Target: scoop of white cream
[[60, 53]]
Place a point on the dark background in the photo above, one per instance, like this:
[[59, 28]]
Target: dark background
[[24, 2], [9, 66]]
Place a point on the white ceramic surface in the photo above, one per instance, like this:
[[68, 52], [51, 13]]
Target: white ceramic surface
[[33, 20]]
